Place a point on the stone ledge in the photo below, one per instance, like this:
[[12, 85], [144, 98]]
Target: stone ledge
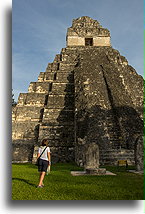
[[82, 173], [136, 172], [95, 171]]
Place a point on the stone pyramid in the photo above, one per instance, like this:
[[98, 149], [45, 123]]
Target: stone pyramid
[[88, 94]]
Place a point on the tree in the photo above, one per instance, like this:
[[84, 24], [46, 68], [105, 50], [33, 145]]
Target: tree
[[13, 100]]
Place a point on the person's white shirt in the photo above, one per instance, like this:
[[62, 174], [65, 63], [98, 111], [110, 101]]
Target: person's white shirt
[[44, 156]]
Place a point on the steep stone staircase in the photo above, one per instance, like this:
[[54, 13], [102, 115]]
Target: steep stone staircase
[[57, 121]]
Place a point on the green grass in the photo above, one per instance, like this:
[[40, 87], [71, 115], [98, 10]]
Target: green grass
[[61, 185]]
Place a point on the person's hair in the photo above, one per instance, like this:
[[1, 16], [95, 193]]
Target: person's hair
[[44, 142]]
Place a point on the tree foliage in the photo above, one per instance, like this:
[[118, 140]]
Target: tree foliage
[[13, 100]]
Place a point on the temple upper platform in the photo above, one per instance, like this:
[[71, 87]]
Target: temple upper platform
[[87, 32]]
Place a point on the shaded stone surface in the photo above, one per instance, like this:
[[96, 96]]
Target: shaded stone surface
[[139, 153], [88, 95], [83, 173], [108, 104], [97, 171], [91, 156]]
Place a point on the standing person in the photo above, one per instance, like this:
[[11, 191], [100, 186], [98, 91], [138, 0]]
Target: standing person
[[44, 161]]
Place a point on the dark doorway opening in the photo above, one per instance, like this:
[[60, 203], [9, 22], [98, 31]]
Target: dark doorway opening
[[88, 41], [50, 86], [54, 78]]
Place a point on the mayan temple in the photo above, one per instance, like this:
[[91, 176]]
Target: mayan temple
[[88, 94]]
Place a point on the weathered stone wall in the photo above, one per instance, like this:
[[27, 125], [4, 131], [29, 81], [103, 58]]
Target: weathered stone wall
[[139, 153], [75, 41], [80, 41], [22, 152], [101, 41], [105, 110]]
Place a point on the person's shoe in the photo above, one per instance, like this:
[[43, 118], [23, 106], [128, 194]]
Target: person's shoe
[[39, 186]]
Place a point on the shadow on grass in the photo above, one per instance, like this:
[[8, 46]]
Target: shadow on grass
[[25, 181]]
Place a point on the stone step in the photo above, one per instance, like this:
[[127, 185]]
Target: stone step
[[64, 77], [58, 76], [112, 156], [32, 99], [62, 65], [62, 154], [104, 156], [69, 58], [25, 130], [56, 128], [39, 87], [61, 101], [59, 116], [62, 88], [58, 58], [53, 88], [114, 162], [66, 66], [53, 66], [28, 113], [121, 151], [58, 141], [69, 50], [46, 76]]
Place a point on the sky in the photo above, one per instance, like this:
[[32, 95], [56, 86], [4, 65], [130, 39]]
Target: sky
[[39, 32]]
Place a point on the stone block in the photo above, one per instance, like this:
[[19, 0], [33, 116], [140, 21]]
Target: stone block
[[41, 77], [66, 67], [75, 41], [32, 99], [53, 66], [62, 154], [58, 58], [22, 152], [64, 77], [25, 130], [91, 154], [28, 113], [49, 76], [61, 101], [101, 41], [22, 99], [58, 116], [39, 87], [58, 135], [62, 88], [97, 171]]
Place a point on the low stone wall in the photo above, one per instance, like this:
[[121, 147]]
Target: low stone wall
[[111, 157], [58, 154], [22, 152]]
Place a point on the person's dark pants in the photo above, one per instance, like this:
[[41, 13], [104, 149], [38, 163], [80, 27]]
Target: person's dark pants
[[43, 164]]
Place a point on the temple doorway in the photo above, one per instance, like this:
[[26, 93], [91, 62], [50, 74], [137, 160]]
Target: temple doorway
[[88, 41]]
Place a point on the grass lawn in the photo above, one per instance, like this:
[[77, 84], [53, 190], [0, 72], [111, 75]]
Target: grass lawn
[[61, 185]]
